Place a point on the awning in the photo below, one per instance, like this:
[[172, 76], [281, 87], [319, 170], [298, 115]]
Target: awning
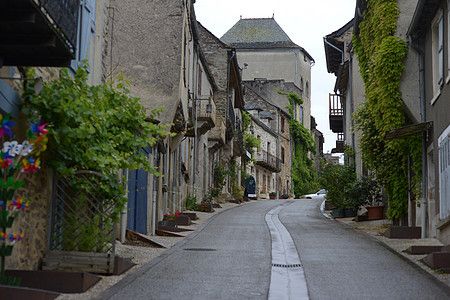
[[407, 130]]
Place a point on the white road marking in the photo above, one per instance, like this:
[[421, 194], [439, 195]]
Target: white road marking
[[287, 279]]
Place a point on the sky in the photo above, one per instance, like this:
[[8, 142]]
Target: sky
[[306, 22]]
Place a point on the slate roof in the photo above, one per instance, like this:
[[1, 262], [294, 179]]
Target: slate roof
[[257, 33], [264, 33], [253, 106], [266, 115]]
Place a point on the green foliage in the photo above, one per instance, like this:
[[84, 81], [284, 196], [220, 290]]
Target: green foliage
[[380, 56], [93, 127], [220, 176], [191, 202], [338, 180], [250, 141], [302, 173], [97, 128]]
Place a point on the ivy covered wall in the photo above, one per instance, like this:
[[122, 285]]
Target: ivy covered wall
[[381, 57]]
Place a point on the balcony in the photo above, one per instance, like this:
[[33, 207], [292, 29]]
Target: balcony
[[205, 112], [267, 161], [339, 144], [38, 32], [336, 113], [216, 136]]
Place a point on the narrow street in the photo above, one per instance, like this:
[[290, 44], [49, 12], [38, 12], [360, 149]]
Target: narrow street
[[235, 253]]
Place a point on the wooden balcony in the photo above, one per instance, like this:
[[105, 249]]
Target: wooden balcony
[[267, 161], [38, 32], [336, 113], [339, 144]]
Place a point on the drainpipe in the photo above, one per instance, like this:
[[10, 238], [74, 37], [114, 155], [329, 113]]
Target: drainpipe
[[350, 83], [155, 191], [423, 201], [333, 46], [278, 152]]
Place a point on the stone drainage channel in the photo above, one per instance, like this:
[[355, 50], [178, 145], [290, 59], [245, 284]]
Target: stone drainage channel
[[287, 279]]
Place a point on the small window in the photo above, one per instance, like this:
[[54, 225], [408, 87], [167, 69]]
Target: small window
[[437, 53], [199, 87], [282, 155], [282, 124]]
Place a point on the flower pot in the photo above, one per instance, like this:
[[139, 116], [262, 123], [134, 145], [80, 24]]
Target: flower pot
[[375, 212], [350, 212], [338, 212]]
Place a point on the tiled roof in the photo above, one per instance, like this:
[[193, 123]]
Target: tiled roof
[[257, 34]]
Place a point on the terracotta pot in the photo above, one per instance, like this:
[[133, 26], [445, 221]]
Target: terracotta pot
[[375, 212]]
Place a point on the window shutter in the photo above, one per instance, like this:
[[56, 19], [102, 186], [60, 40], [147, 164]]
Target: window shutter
[[441, 48], [86, 32]]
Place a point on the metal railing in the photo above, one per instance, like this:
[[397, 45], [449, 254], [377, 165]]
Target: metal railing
[[82, 218], [64, 13], [268, 159]]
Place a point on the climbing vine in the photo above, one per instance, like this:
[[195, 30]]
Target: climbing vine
[[97, 128], [302, 173], [380, 56]]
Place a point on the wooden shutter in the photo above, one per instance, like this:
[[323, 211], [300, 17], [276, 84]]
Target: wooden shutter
[[86, 33]]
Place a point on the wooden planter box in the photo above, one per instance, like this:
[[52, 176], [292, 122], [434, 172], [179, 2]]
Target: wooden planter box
[[98, 263], [55, 281], [403, 232]]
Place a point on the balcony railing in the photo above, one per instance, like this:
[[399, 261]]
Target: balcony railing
[[339, 144], [336, 113], [38, 32], [65, 15], [268, 161]]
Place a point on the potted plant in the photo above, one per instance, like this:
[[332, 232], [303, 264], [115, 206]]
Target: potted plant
[[373, 200], [337, 180], [272, 195]]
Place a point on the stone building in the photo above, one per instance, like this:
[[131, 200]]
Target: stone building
[[272, 160], [430, 40], [423, 85], [62, 35], [225, 140], [271, 62]]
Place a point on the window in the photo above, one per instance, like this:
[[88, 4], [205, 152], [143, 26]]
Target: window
[[199, 87], [444, 173], [282, 124], [282, 155], [301, 115], [307, 89], [437, 27], [86, 34]]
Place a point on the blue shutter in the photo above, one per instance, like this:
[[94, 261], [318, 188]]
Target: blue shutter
[[86, 33]]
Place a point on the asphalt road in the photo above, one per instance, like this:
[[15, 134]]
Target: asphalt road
[[231, 258]]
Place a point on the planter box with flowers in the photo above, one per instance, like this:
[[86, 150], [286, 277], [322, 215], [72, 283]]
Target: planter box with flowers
[[15, 161]]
